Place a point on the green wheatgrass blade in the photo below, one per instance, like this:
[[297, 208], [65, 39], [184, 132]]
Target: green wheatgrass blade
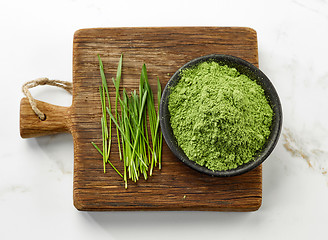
[[141, 86], [158, 134], [105, 125], [146, 139], [103, 128], [119, 70], [130, 131], [151, 117], [117, 88], [103, 79], [159, 97], [96, 147], [159, 93], [143, 103], [124, 151], [135, 162], [142, 146], [142, 142], [124, 147], [144, 80], [115, 169], [160, 150], [103, 137], [105, 86], [104, 92]]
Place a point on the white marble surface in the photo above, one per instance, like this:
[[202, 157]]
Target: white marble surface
[[36, 174]]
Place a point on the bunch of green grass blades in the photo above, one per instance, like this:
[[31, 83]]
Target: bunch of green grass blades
[[140, 148]]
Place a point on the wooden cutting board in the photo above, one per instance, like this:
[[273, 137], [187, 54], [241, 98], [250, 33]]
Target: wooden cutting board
[[164, 50]]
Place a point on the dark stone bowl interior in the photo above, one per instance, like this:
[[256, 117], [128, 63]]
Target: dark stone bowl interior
[[253, 73]]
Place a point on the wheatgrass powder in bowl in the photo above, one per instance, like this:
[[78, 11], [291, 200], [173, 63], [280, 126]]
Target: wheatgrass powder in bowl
[[221, 118]]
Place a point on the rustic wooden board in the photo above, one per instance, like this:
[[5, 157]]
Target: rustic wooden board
[[164, 50]]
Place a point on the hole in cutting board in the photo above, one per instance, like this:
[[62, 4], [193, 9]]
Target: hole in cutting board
[[45, 118]]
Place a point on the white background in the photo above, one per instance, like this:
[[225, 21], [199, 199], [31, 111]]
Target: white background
[[36, 174]]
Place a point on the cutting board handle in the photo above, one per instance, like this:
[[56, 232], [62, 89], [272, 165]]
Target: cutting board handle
[[57, 119]]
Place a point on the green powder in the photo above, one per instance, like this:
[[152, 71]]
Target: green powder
[[219, 117]]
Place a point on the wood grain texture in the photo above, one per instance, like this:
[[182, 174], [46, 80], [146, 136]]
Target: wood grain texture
[[57, 119], [164, 50]]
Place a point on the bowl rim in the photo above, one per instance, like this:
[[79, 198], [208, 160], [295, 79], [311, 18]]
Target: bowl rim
[[271, 95]]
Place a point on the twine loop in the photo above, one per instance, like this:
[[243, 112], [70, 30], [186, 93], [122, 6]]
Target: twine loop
[[68, 86]]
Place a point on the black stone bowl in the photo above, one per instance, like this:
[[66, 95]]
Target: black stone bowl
[[253, 73]]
